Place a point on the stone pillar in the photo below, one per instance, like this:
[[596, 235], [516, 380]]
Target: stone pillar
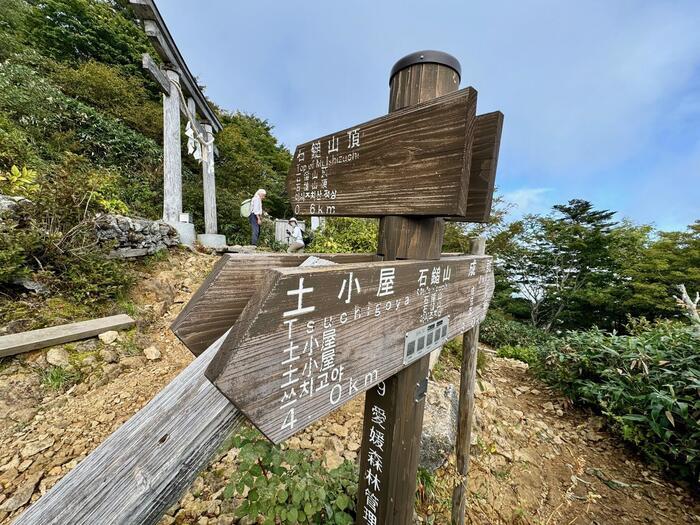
[[172, 160]]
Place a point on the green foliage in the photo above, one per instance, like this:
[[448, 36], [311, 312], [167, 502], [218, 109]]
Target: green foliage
[[57, 378], [289, 486], [13, 249], [18, 182], [526, 354], [346, 234], [499, 330], [80, 30], [647, 384]]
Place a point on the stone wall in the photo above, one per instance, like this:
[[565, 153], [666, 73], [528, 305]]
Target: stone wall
[[135, 237]]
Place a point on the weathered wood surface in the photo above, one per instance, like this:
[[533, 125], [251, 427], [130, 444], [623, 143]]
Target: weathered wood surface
[[342, 328], [482, 176], [467, 383], [149, 65], [55, 335], [415, 161], [221, 298], [145, 466], [209, 184], [394, 409], [172, 157]]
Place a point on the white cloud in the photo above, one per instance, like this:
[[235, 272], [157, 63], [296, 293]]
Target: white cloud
[[529, 200]]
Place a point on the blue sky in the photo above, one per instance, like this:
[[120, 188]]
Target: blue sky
[[601, 98]]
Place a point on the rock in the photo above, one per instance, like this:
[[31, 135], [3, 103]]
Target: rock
[[132, 237], [548, 406], [334, 444], [23, 415], [133, 362], [33, 448], [332, 459], [596, 423], [108, 337], [338, 430], [111, 371], [439, 425], [23, 494], [25, 465], [152, 353], [58, 357], [31, 285], [107, 355]]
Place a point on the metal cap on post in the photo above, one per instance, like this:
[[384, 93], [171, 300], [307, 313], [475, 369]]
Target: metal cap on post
[[422, 76], [426, 57]]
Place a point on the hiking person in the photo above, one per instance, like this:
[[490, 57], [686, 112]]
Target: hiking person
[[256, 212], [296, 241]]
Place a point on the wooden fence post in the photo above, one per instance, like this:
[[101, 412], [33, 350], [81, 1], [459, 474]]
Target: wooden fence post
[[470, 351], [394, 408]]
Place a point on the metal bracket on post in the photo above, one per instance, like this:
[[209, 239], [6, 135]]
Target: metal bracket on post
[[421, 390]]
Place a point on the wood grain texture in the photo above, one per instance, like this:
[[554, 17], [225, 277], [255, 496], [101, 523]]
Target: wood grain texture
[[467, 384], [393, 413], [139, 471], [209, 184], [172, 158], [153, 70], [221, 298], [415, 161], [55, 335], [482, 172], [273, 336]]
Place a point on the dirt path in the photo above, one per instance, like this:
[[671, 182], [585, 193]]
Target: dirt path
[[534, 459]]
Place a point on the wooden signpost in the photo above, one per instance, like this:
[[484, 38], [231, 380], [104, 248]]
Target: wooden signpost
[[315, 338], [303, 341], [411, 162]]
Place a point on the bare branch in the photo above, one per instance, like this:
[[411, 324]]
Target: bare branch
[[690, 305]]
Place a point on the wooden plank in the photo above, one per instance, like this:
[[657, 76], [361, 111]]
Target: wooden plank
[[143, 468], [346, 337], [482, 173], [172, 154], [417, 160], [55, 335], [158, 42], [221, 298], [470, 349], [154, 71]]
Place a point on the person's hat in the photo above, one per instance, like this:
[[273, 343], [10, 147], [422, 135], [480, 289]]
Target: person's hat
[[292, 220]]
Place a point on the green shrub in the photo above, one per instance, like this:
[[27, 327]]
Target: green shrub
[[346, 234], [13, 250], [499, 330], [526, 354], [289, 486], [647, 384]]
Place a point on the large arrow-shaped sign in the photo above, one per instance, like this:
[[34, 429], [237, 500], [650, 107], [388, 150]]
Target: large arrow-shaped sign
[[311, 339]]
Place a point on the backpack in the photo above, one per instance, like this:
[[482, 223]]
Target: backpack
[[245, 208]]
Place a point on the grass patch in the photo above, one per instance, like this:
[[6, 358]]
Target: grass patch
[[57, 378]]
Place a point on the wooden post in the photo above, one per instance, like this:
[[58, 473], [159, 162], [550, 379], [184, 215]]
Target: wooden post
[[470, 351], [172, 161], [209, 182], [393, 416]]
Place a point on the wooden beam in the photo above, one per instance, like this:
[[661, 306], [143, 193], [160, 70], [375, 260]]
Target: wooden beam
[[165, 45], [154, 71], [143, 9], [158, 42], [35, 339], [482, 172], [172, 153], [144, 467], [221, 298], [470, 350]]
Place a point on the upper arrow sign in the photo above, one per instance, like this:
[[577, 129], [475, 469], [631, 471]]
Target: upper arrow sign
[[311, 339], [411, 162]]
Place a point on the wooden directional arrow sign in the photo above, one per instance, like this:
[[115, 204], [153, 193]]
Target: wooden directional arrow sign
[[416, 162], [311, 339]]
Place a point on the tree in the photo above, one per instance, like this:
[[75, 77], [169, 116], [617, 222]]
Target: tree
[[558, 262]]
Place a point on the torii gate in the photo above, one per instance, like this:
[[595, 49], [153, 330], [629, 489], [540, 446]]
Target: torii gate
[[181, 94]]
